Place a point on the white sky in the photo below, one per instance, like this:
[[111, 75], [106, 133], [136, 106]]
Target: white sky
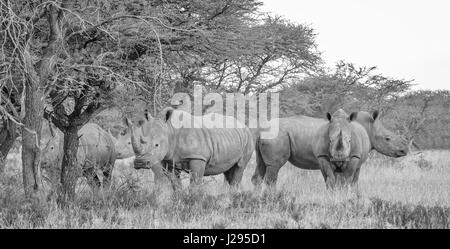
[[404, 39]]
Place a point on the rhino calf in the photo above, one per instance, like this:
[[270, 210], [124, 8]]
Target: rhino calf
[[202, 151], [338, 147], [95, 156]]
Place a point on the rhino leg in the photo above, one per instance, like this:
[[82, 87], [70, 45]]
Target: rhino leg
[[197, 168], [349, 177], [351, 173], [274, 154], [271, 176], [234, 175], [260, 170], [355, 177], [107, 176], [174, 176], [92, 179], [177, 180], [327, 172]]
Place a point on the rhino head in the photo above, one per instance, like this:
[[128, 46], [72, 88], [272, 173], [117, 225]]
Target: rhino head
[[123, 144], [384, 141], [150, 139], [340, 134]]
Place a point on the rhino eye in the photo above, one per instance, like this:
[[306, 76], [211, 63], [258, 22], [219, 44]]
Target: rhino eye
[[51, 147], [143, 141], [156, 145], [388, 139]]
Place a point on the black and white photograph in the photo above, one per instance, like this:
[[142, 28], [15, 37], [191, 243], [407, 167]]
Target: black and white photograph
[[223, 115]]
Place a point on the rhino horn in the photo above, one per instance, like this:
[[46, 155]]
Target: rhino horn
[[52, 132], [137, 147], [340, 144], [126, 122]]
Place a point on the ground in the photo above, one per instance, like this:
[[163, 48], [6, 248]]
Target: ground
[[410, 192]]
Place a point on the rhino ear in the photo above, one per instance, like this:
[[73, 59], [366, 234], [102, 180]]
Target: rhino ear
[[141, 122], [375, 115], [147, 115], [328, 116], [166, 114], [353, 116]]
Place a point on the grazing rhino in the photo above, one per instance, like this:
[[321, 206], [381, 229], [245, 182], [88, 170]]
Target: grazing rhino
[[96, 155], [314, 144], [203, 151]]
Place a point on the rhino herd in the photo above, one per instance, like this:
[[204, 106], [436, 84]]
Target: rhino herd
[[337, 146]]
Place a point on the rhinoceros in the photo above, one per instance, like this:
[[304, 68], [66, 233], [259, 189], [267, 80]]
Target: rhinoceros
[[305, 143], [122, 144], [96, 155], [202, 150]]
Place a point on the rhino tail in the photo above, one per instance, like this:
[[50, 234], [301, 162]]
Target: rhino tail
[[260, 169]]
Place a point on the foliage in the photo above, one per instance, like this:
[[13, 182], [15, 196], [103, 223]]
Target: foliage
[[347, 86]]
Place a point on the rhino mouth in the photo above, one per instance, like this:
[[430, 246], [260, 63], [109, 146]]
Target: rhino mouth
[[400, 153], [339, 164], [339, 170], [141, 164]]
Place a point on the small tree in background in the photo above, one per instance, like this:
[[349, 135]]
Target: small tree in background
[[348, 86], [423, 115]]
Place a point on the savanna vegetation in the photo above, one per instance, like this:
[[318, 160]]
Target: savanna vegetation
[[411, 192], [72, 62]]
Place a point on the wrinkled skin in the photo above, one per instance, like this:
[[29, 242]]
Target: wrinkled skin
[[201, 151], [305, 143], [95, 156]]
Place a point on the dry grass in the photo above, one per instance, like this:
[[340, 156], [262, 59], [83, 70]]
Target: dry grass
[[393, 193]]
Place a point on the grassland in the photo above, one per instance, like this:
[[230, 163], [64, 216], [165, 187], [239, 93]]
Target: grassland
[[411, 192]]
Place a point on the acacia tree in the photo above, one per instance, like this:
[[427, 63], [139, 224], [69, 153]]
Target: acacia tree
[[46, 52], [423, 115], [347, 86], [192, 35], [272, 52], [28, 59]]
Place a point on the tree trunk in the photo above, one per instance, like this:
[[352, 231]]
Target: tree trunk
[[31, 135], [7, 137], [69, 168], [34, 104]]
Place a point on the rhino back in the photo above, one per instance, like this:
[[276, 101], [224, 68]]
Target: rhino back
[[220, 148], [96, 146], [307, 139]]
